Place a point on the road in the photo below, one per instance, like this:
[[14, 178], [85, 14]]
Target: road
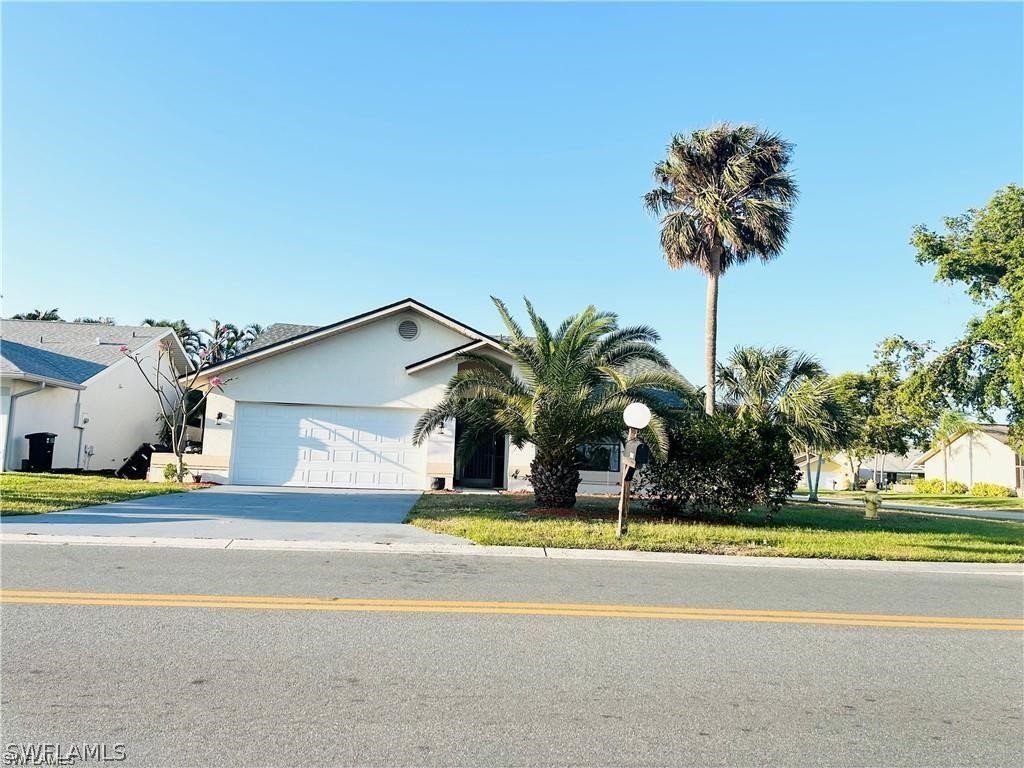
[[205, 679]]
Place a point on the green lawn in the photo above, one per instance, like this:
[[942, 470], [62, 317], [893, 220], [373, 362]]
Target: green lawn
[[799, 530], [22, 493], [935, 500]]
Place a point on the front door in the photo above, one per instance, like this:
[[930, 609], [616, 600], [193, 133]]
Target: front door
[[485, 468]]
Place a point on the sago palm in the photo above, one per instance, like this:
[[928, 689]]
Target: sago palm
[[566, 387], [724, 195]]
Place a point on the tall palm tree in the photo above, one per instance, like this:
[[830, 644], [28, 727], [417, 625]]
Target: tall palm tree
[[724, 194], [39, 314], [568, 387], [789, 388]]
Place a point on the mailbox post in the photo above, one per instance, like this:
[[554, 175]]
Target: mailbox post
[[637, 416]]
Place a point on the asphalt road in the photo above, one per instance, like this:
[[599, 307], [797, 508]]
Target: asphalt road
[[297, 684]]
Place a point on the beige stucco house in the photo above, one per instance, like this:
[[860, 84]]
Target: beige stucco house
[[982, 455], [335, 406], [72, 380]]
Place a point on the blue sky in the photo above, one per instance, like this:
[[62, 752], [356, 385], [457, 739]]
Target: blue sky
[[303, 163]]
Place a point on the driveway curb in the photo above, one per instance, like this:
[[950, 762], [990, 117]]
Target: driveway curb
[[1015, 570]]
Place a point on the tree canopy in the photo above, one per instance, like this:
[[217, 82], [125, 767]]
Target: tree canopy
[[982, 250]]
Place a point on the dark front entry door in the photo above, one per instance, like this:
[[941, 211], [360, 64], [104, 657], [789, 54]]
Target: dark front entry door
[[486, 466]]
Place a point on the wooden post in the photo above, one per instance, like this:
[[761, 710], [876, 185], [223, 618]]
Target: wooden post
[[628, 467]]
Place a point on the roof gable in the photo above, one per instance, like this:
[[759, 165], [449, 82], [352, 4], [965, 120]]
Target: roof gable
[[289, 336], [72, 352]]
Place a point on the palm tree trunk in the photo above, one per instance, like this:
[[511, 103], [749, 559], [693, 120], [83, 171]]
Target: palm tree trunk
[[554, 484], [711, 333], [945, 474], [812, 492]]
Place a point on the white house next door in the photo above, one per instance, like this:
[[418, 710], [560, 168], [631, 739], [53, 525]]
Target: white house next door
[[326, 447]]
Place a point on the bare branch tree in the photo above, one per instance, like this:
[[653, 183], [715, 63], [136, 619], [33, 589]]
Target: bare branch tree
[[172, 392]]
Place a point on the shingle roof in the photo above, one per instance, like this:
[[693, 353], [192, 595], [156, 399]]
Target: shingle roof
[[72, 352], [279, 332]]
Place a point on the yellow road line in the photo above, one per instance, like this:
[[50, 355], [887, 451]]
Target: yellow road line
[[373, 605]]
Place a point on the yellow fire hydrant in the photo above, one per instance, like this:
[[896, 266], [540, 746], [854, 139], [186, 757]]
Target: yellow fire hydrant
[[872, 500]]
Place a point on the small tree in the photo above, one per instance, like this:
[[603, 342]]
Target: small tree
[[952, 424], [175, 395]]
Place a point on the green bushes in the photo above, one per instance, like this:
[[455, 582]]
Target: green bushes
[[934, 487], [718, 466], [991, 490], [929, 487]]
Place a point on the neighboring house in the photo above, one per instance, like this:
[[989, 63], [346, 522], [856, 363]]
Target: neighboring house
[[982, 455], [71, 379], [885, 469], [335, 406]]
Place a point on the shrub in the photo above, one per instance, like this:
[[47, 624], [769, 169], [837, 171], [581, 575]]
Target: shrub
[[991, 489], [929, 487], [956, 487], [718, 466]]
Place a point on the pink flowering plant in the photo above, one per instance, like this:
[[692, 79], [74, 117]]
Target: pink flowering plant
[[179, 395]]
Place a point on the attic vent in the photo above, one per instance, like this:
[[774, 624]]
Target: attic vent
[[408, 330]]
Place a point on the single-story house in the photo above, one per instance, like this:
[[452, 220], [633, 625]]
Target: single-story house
[[335, 406], [72, 380], [981, 455], [887, 470]]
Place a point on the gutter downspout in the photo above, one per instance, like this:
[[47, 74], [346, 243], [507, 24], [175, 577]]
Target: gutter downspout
[[10, 420], [81, 430]]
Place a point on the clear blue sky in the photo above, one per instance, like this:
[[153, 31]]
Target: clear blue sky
[[302, 163]]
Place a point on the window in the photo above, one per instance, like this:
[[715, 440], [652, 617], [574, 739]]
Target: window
[[599, 457]]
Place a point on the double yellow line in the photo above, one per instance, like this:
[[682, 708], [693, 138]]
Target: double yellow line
[[502, 608]]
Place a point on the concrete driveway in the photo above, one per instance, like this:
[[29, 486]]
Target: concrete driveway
[[245, 512]]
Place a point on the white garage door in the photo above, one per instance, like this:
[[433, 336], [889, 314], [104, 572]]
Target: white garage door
[[321, 446]]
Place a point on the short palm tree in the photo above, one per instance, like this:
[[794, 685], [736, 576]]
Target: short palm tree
[[788, 388], [951, 425], [724, 194], [568, 387]]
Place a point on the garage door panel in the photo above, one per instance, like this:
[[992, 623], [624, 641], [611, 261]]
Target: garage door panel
[[322, 446]]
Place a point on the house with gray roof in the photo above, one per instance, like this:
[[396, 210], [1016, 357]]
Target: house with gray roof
[[73, 380], [337, 405]]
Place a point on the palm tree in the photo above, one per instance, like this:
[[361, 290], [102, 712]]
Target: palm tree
[[568, 388], [39, 314], [190, 340], [792, 389], [953, 424], [724, 195]]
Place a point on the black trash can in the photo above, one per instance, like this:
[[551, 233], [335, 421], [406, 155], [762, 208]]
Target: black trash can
[[40, 451]]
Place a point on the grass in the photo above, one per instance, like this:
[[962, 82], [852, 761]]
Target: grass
[[937, 500], [23, 493], [799, 530]]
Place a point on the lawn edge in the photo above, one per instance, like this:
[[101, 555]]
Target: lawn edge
[[1015, 570]]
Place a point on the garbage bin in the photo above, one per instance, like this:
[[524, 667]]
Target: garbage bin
[[40, 451]]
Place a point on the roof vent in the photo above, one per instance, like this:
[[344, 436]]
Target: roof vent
[[408, 330]]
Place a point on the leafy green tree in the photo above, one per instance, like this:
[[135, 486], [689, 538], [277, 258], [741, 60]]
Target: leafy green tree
[[983, 250], [724, 195], [40, 314], [791, 389], [568, 387]]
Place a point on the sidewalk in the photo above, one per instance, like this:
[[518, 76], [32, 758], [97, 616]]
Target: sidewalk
[[981, 514], [1015, 570]]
